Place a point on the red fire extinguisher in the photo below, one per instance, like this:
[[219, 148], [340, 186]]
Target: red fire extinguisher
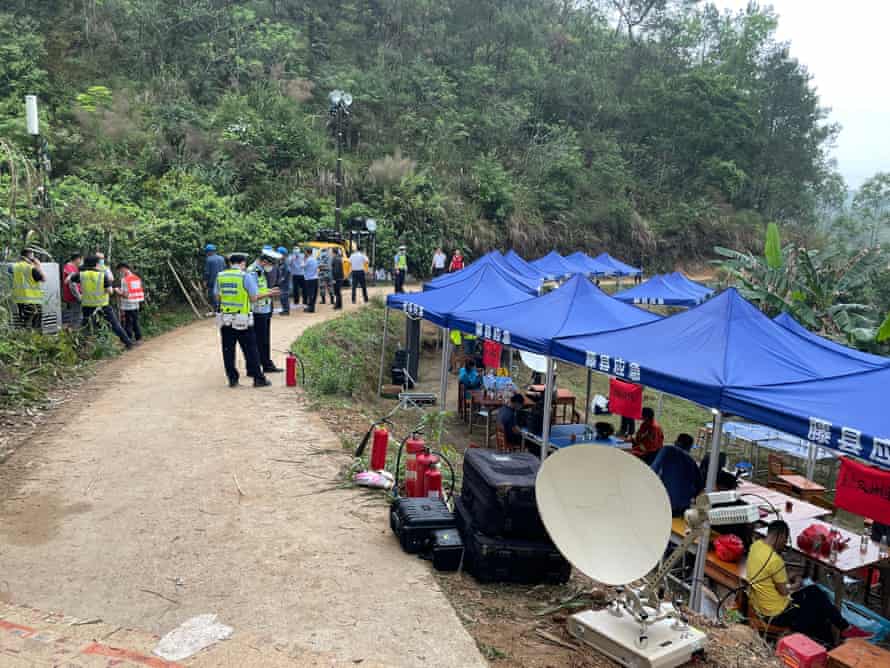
[[290, 370], [378, 449], [413, 484], [424, 461], [433, 482]]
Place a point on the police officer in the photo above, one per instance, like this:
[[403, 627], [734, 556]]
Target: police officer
[[27, 293], [262, 307], [95, 286], [237, 290], [400, 267], [212, 266]]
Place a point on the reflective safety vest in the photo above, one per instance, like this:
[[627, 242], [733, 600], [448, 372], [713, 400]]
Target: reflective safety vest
[[93, 291], [262, 286], [402, 261], [455, 337], [135, 293], [25, 290], [233, 296]]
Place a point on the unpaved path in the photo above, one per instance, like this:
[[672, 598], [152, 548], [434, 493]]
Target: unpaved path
[[128, 510]]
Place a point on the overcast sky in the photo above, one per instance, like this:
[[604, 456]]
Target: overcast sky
[[846, 47]]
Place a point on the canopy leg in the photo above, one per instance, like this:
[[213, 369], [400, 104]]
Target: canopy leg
[[548, 404], [382, 351], [660, 405], [701, 555], [811, 460], [587, 401], [443, 376]]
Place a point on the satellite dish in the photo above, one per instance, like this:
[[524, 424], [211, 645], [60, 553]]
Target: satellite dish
[[533, 361], [605, 510], [371, 225]]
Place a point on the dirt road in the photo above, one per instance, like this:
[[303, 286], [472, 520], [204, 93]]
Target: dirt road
[[128, 510]]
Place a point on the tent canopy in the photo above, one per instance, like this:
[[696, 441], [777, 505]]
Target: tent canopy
[[485, 287], [725, 342], [493, 258], [617, 267], [661, 291], [869, 361], [577, 307], [554, 266], [521, 266], [679, 278], [590, 266]]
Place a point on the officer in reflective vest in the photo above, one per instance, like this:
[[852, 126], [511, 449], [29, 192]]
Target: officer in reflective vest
[[262, 307], [401, 268], [27, 293], [132, 294], [236, 291], [95, 287]]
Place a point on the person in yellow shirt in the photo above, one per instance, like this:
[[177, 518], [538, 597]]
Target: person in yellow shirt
[[783, 601]]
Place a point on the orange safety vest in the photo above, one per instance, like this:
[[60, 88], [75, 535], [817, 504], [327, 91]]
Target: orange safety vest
[[135, 293]]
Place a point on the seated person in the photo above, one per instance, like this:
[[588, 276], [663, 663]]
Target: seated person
[[469, 377], [649, 437], [725, 479], [508, 420], [782, 601], [604, 431], [680, 474]]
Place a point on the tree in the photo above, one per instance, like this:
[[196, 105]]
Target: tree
[[872, 204]]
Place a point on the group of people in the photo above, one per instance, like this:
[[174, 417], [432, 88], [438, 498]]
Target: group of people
[[87, 286], [439, 259]]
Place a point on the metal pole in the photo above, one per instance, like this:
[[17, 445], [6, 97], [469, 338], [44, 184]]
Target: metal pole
[[443, 377], [701, 555], [548, 403], [339, 184], [811, 461], [660, 404], [382, 351], [587, 402]]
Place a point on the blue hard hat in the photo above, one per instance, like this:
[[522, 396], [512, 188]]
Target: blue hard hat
[[282, 250], [210, 247]]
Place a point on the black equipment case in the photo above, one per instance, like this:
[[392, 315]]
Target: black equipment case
[[414, 520], [491, 559], [498, 491], [448, 549]]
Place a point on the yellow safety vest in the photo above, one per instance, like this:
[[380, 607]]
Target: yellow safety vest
[[25, 290], [233, 296], [402, 261], [455, 337], [262, 286], [93, 291]]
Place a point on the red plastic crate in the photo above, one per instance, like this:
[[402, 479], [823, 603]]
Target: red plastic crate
[[799, 651]]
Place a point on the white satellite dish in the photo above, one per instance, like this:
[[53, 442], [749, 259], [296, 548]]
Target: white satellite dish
[[606, 511], [533, 361]]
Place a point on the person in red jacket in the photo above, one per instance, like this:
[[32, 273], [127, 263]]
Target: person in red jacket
[[131, 295], [649, 438], [457, 261], [71, 311]]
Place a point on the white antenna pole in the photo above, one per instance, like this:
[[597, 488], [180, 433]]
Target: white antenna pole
[[701, 555], [548, 403], [31, 117]]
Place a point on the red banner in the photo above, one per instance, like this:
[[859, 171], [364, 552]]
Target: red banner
[[625, 399], [491, 354], [863, 490]]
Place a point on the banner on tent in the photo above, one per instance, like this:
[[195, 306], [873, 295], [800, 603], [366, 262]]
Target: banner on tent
[[413, 310], [625, 399], [849, 441], [495, 334], [863, 490], [614, 366]]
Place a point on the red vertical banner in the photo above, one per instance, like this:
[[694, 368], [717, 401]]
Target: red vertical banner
[[863, 490], [491, 354], [625, 399]]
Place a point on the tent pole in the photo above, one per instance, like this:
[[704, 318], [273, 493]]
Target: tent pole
[[811, 461], [587, 402], [382, 351], [660, 404], [548, 403], [443, 377], [701, 555]]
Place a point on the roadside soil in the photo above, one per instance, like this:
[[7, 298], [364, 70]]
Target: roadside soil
[[157, 493]]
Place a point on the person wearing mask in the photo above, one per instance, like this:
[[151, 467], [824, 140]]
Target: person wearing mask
[[679, 473], [262, 307], [95, 289], [337, 277], [237, 289], [27, 293], [438, 265], [400, 268], [71, 312], [358, 261], [310, 284], [649, 437], [131, 295], [213, 264], [325, 284], [784, 601], [457, 261], [508, 420], [284, 281], [295, 264]]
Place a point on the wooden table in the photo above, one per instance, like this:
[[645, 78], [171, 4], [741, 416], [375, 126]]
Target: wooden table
[[726, 573], [490, 404], [803, 486], [800, 510], [858, 653], [563, 397]]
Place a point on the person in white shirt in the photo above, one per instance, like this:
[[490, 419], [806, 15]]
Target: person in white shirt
[[357, 277], [438, 265]]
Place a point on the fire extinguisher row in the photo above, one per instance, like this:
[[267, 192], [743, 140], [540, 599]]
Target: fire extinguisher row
[[423, 474]]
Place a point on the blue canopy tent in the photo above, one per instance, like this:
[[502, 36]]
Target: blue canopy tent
[[535, 282], [554, 266], [658, 290], [617, 267], [592, 267], [494, 258], [679, 278], [521, 266], [869, 361]]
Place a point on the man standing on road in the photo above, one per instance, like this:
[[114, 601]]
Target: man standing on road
[[310, 282], [212, 266], [71, 313], [262, 308], [237, 290], [131, 295], [95, 288], [438, 266], [337, 276], [295, 264], [357, 277], [284, 281], [325, 285], [27, 292], [400, 267]]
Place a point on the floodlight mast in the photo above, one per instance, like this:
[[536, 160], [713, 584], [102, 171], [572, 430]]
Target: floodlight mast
[[340, 103]]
